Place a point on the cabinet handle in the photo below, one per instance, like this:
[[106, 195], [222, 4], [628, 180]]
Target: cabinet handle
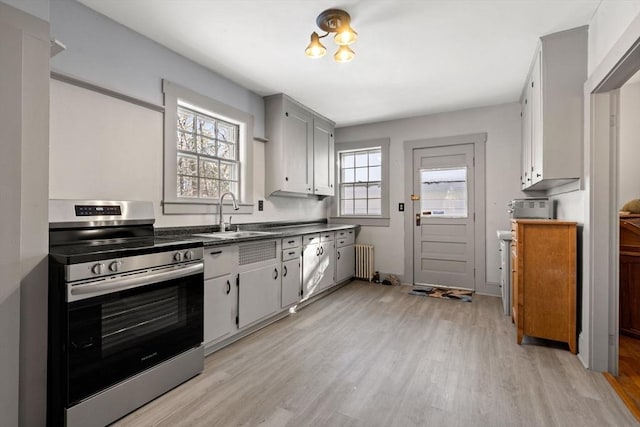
[[311, 238], [284, 271], [321, 250], [291, 241], [275, 271], [215, 253], [228, 287], [292, 253], [317, 251], [286, 178], [538, 175], [338, 254]]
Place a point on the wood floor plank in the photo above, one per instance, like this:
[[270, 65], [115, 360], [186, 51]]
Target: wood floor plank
[[372, 355]]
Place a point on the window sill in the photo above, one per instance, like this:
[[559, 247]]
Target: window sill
[[199, 207], [360, 220]]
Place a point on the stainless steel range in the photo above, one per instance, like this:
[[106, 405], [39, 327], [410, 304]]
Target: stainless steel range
[[125, 311]]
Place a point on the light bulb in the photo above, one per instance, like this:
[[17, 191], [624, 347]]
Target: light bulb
[[345, 36], [315, 48], [344, 54]]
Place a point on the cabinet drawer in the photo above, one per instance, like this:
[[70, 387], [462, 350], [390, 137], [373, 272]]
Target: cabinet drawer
[[219, 261], [349, 239], [290, 253], [326, 237], [341, 234], [291, 242], [310, 239]]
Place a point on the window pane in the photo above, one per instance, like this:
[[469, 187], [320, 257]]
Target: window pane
[[187, 165], [228, 171], [375, 158], [185, 121], [209, 188], [347, 207], [443, 192], [361, 175], [209, 169], [226, 151], [228, 186], [375, 173], [361, 159], [347, 161], [375, 207], [360, 207], [186, 142], [187, 186], [226, 132], [347, 191], [206, 146], [206, 126], [360, 191], [348, 175], [375, 191]]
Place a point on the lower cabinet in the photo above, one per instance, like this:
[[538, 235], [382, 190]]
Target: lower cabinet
[[290, 282], [220, 298], [317, 268], [345, 263]]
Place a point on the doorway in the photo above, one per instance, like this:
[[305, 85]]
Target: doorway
[[443, 236], [445, 222]]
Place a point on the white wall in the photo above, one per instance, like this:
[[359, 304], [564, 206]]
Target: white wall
[[37, 8], [629, 144], [87, 161], [608, 23], [501, 123]]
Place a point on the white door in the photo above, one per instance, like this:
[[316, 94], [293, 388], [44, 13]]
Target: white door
[[298, 149], [219, 297], [345, 263], [443, 237], [290, 282], [323, 163], [259, 294]]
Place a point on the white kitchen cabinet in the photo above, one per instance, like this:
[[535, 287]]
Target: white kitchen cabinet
[[220, 296], [220, 292], [552, 111], [259, 281], [317, 266], [291, 282], [299, 154], [345, 256]]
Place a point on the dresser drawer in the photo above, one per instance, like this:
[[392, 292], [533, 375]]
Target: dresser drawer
[[220, 260], [291, 242], [310, 239], [291, 253]]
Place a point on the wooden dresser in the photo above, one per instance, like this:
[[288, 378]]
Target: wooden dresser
[[543, 262], [630, 275]]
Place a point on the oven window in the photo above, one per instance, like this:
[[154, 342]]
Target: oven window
[[143, 316], [112, 337]]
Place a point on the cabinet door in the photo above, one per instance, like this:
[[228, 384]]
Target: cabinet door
[[323, 155], [310, 277], [290, 282], [345, 263], [259, 294], [525, 176], [219, 298], [326, 266], [536, 120], [297, 149]]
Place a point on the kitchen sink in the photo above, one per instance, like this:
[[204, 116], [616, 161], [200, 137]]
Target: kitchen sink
[[235, 234]]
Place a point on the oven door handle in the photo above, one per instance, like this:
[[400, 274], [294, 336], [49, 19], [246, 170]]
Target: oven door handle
[[90, 290]]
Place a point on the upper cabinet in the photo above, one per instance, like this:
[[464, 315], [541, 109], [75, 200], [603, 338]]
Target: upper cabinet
[[299, 154], [552, 111]]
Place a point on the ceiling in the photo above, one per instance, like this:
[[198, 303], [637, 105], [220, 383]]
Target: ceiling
[[412, 57]]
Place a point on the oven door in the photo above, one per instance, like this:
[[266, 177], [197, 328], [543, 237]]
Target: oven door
[[128, 329]]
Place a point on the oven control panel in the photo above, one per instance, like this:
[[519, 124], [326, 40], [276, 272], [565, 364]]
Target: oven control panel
[[96, 210]]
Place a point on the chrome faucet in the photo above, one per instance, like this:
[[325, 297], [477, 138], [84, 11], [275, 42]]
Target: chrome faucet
[[235, 208]]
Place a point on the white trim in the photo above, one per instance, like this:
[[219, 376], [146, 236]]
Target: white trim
[[171, 203]]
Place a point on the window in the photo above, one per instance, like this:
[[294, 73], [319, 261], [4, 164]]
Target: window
[[208, 150], [443, 192], [207, 156], [363, 183]]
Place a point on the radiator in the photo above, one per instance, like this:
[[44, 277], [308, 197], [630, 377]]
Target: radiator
[[364, 262]]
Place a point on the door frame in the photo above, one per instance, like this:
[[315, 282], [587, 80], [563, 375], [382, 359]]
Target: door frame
[[598, 341], [479, 141]]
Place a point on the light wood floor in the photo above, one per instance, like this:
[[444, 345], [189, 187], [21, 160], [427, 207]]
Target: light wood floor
[[372, 355], [627, 383]]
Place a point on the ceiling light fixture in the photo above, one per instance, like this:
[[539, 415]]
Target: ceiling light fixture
[[333, 21]]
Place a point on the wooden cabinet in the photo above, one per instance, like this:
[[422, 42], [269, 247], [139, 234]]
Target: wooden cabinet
[[544, 279], [552, 111], [220, 293], [299, 154], [630, 275]]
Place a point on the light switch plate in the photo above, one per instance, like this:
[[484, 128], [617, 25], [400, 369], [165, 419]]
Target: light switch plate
[[401, 207]]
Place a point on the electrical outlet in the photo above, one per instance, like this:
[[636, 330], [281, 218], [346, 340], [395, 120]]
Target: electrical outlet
[[260, 205], [401, 207]]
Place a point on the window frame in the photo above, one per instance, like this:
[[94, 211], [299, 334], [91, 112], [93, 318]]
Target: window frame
[[381, 220], [175, 94]]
